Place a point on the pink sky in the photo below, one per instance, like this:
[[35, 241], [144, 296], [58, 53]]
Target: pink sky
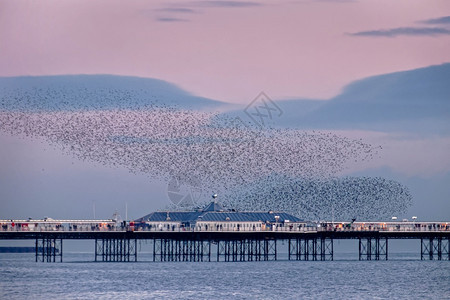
[[224, 50]]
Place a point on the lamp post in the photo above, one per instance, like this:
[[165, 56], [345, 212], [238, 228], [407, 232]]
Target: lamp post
[[276, 222]]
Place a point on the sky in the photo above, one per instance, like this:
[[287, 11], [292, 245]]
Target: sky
[[223, 50], [226, 50]]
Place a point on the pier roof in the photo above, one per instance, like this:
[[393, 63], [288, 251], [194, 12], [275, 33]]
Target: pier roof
[[214, 212]]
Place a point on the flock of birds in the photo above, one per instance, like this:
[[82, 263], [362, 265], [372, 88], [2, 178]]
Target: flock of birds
[[270, 169], [338, 199]]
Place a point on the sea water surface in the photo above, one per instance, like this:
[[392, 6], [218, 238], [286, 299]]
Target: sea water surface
[[404, 276]]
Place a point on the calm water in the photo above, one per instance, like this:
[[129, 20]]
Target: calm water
[[79, 278]]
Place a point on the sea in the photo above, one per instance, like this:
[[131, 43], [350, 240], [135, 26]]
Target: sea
[[403, 276]]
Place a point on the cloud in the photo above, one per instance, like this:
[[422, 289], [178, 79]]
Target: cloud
[[184, 8], [225, 3], [168, 19], [404, 31], [442, 20]]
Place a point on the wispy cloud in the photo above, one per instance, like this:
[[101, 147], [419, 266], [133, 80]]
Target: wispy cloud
[[167, 19], [404, 31], [171, 13], [437, 21]]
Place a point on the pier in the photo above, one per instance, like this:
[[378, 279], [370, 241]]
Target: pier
[[309, 241]]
